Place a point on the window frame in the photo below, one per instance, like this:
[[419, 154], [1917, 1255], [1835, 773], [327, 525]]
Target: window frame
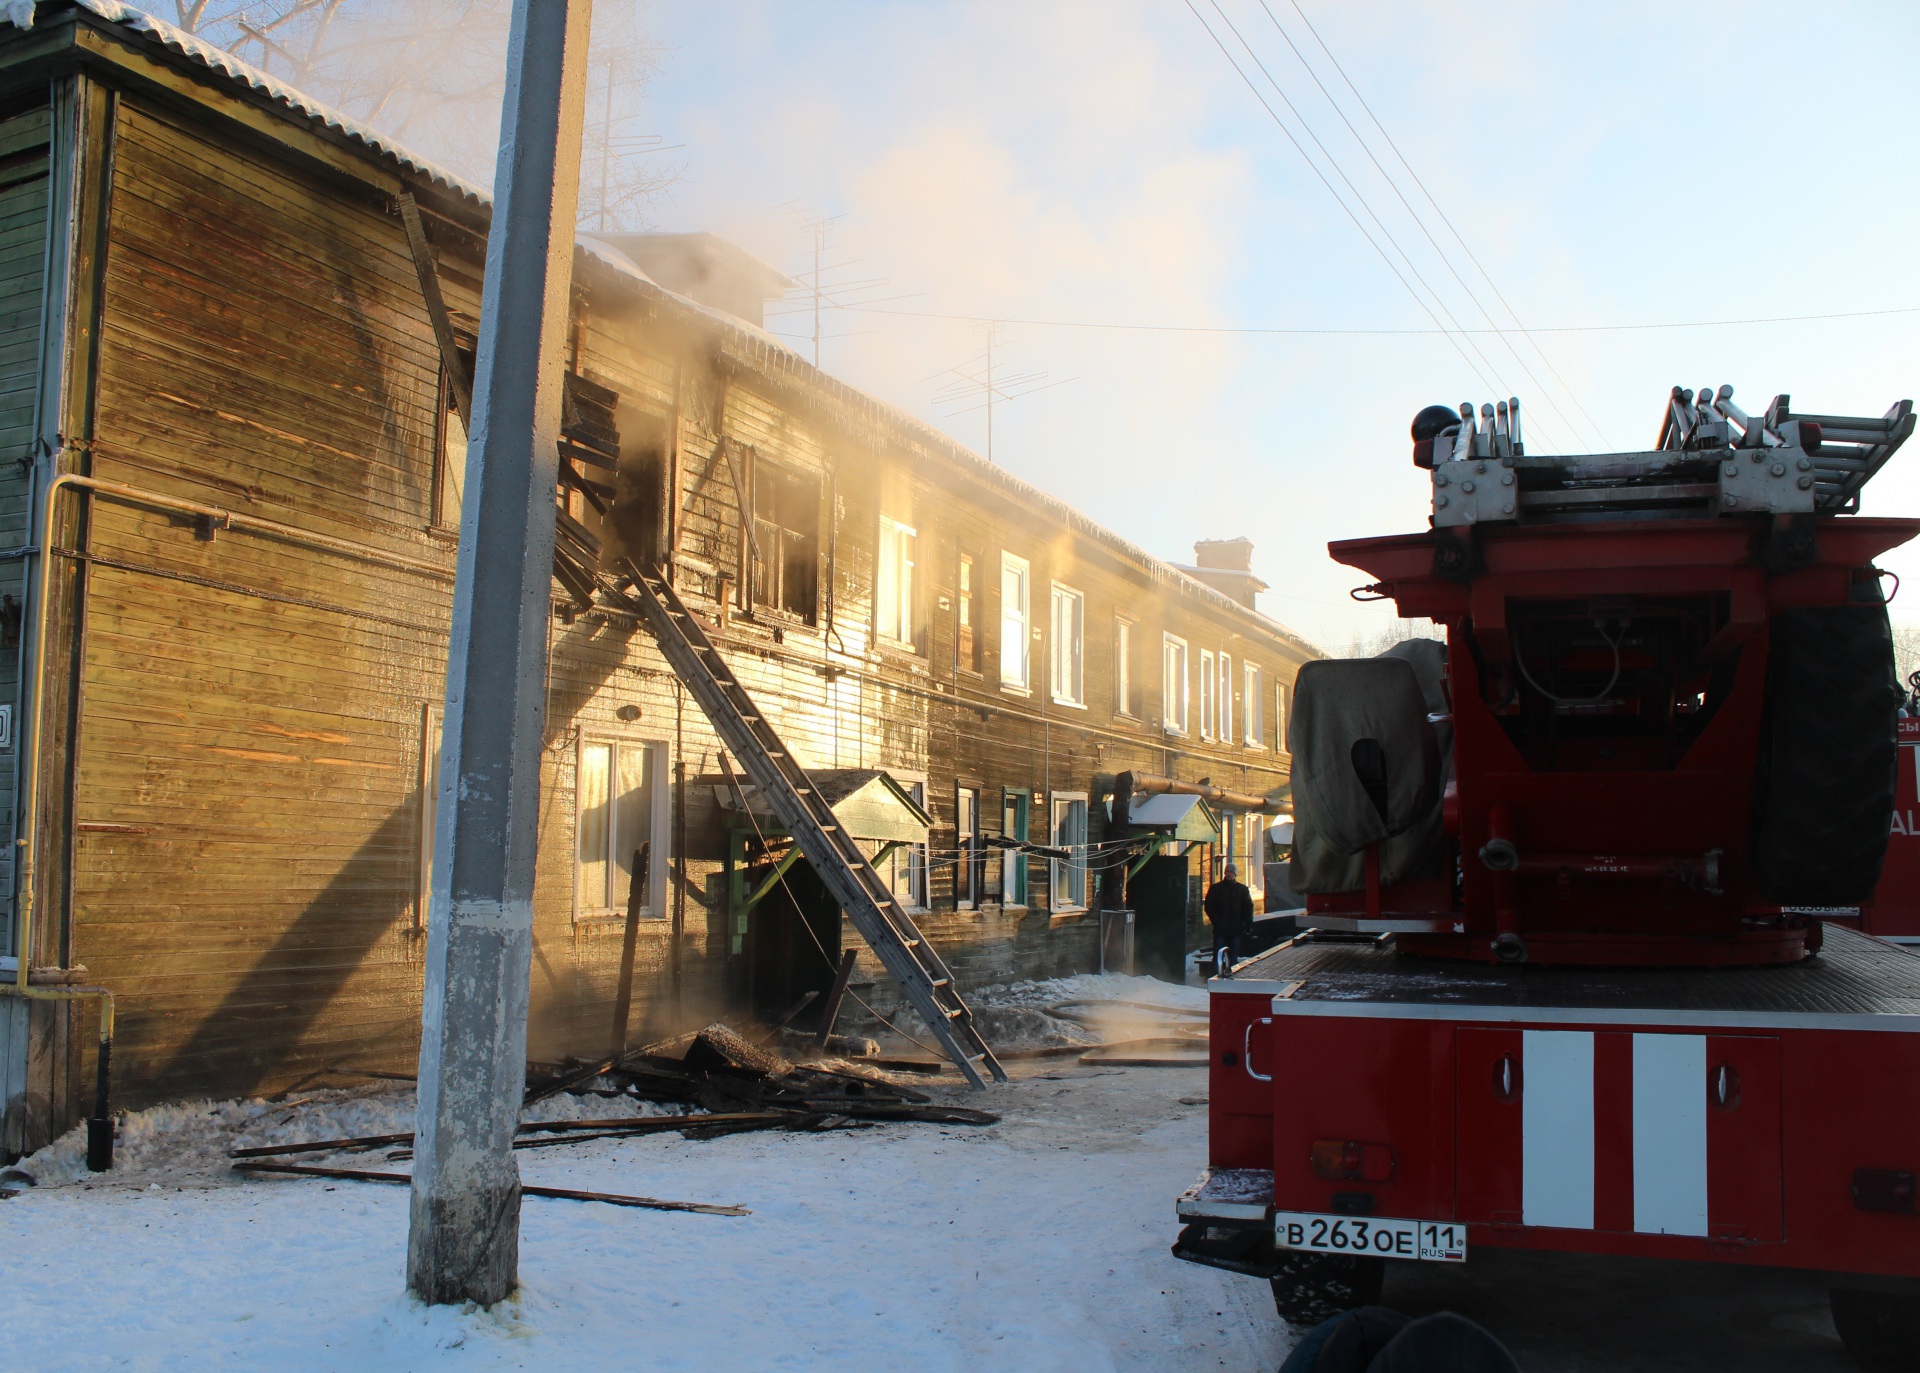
[[433, 723], [1253, 862], [1072, 871], [906, 539], [443, 517], [1282, 704], [1223, 708], [1172, 691], [918, 897], [654, 906], [1123, 685], [1016, 885], [970, 848], [1023, 683], [1076, 641], [1253, 723], [1209, 690], [773, 538], [969, 643]]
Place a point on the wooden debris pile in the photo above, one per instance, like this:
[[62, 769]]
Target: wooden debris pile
[[721, 1083], [735, 1085]]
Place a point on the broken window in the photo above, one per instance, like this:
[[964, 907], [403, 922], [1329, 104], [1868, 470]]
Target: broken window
[[620, 813], [786, 531]]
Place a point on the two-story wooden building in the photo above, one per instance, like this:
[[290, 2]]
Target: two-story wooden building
[[230, 485]]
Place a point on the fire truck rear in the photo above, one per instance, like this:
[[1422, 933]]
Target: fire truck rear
[[1585, 967]]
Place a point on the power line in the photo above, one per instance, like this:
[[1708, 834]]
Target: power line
[[1484, 275], [1315, 168], [1498, 382], [1418, 220]]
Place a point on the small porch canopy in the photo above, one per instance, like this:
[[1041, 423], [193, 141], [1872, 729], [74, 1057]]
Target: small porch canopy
[[867, 802]]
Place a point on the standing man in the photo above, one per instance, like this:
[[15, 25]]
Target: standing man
[[1229, 907]]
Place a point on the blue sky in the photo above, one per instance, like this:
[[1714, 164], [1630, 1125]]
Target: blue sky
[[1619, 164]]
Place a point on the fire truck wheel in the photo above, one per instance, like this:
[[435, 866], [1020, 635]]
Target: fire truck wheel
[[1823, 797], [1880, 1329], [1310, 1288]]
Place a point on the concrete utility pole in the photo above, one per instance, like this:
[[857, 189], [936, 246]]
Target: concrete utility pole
[[464, 1242]]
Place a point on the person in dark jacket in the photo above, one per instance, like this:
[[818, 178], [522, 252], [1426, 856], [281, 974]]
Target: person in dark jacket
[[1229, 907]]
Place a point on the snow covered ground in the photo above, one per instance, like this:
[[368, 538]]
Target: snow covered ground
[[1039, 1243]]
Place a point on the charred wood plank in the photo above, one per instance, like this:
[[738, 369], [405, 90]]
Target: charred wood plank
[[526, 1189]]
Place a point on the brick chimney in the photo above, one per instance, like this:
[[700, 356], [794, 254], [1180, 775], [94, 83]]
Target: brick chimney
[[1226, 565]]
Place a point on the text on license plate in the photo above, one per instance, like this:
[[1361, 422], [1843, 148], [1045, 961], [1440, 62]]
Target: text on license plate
[[1388, 1239]]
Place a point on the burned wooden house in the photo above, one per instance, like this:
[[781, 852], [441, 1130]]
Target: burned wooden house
[[232, 504]]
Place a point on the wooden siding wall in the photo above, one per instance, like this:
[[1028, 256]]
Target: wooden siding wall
[[23, 250], [247, 852]]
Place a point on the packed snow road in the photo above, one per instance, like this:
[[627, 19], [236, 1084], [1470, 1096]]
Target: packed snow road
[[1039, 1243], [1036, 1244]]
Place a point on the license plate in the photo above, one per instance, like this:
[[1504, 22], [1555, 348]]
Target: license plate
[[1441, 1241]]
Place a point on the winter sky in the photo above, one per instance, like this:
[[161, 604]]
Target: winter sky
[[1102, 163]]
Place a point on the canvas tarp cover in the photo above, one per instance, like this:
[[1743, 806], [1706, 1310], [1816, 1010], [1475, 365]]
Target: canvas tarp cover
[[1338, 703]]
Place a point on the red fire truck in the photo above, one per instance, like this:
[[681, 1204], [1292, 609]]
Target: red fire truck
[[1590, 960]]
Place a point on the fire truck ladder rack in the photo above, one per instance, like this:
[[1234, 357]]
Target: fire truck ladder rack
[[1711, 458], [867, 900]]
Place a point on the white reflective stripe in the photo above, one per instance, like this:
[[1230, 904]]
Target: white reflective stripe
[[1556, 1129], [1670, 1134]]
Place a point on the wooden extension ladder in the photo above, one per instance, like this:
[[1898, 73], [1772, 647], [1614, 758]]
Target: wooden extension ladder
[[866, 899]]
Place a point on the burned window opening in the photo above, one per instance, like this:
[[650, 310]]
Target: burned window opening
[[786, 528]]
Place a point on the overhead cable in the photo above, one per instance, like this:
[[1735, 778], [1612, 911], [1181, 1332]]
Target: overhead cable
[[1543, 390], [1315, 167], [1498, 382], [1457, 238]]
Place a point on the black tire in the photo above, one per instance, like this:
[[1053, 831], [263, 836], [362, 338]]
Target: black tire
[[1880, 1329], [1310, 1288], [1823, 793]]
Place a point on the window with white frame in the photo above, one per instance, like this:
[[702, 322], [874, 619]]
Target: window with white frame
[[893, 588], [1173, 684], [1069, 875], [1253, 860], [1224, 732], [1282, 698], [1016, 820], [1068, 656], [1209, 692], [1123, 667], [433, 725], [904, 869], [1015, 579], [620, 825], [969, 869], [1250, 696]]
